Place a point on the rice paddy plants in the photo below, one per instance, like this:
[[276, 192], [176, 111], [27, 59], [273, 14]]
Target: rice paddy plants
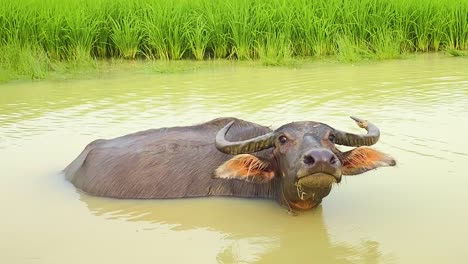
[[456, 53], [23, 61], [198, 36], [273, 31], [125, 35]]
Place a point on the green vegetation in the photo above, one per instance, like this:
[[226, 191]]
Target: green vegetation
[[34, 34]]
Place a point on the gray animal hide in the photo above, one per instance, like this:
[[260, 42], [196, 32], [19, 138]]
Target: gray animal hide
[[166, 163]]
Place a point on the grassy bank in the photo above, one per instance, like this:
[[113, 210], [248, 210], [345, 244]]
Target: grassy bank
[[35, 33]]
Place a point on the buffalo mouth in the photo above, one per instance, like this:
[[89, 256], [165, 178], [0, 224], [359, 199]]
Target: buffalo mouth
[[315, 186], [317, 180]]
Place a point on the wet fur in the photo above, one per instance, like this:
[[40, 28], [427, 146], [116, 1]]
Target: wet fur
[[165, 163]]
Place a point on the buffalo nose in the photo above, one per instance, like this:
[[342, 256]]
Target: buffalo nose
[[319, 156]]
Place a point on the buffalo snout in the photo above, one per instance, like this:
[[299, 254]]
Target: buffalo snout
[[320, 161], [317, 157]]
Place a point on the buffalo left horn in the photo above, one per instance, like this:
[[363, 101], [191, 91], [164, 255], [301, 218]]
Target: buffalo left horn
[[355, 140], [245, 146]]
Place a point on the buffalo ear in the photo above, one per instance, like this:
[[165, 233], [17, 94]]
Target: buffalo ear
[[246, 167], [363, 159]]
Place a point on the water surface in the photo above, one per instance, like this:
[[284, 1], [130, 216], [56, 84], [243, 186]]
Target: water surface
[[413, 213]]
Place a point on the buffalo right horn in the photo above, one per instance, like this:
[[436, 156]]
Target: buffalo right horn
[[245, 146], [355, 140]]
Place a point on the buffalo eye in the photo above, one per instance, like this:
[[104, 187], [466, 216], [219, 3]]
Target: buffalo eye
[[283, 139], [332, 138]]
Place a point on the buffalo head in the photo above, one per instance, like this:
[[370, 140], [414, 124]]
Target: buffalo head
[[303, 157]]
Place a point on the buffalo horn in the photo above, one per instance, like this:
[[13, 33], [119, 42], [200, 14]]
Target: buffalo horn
[[245, 146], [355, 140]]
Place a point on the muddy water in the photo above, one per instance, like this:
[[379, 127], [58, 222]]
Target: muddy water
[[413, 213]]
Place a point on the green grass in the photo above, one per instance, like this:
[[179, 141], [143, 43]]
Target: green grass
[[36, 33]]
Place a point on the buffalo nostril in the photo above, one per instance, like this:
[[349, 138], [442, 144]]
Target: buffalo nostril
[[332, 160], [309, 160]]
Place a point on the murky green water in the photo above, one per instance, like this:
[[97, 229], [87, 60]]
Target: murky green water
[[413, 213]]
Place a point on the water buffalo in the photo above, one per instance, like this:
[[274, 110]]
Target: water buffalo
[[296, 164]]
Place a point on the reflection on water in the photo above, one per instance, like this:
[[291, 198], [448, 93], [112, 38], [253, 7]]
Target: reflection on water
[[413, 213], [262, 239]]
